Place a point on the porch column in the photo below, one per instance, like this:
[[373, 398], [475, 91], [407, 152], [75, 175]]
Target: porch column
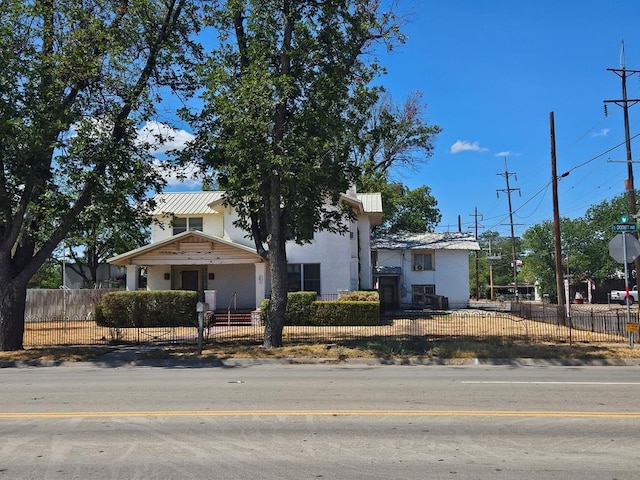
[[261, 282], [132, 277]]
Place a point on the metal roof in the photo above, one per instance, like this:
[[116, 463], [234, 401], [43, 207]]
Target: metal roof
[[428, 240], [199, 203], [186, 203], [371, 202]]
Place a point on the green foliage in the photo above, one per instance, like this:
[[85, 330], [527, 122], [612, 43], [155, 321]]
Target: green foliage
[[286, 94], [359, 296], [153, 308], [584, 246], [298, 310], [78, 82], [396, 138], [49, 275], [354, 308], [345, 313]]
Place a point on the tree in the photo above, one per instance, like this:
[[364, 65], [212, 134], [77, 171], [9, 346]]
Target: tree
[[76, 79], [287, 89], [585, 246], [406, 210], [396, 137], [100, 233]]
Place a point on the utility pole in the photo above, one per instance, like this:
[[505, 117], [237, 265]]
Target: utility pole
[[556, 214], [476, 215], [508, 191], [625, 103]]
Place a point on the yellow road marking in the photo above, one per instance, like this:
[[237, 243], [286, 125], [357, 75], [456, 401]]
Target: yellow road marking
[[321, 413]]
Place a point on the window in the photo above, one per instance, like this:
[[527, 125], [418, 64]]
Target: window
[[419, 293], [182, 224], [422, 261], [303, 277]]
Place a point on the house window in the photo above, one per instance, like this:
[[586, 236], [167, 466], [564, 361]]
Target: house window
[[422, 261], [303, 277], [182, 224], [419, 293]]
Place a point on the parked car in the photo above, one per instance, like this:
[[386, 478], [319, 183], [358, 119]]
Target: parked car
[[621, 295]]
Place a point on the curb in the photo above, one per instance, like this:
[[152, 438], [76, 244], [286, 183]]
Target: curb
[[118, 360]]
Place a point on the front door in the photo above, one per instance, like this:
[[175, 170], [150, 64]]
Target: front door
[[190, 280], [388, 290]]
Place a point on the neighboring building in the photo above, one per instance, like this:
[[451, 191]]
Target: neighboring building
[[108, 276], [416, 270], [195, 246]]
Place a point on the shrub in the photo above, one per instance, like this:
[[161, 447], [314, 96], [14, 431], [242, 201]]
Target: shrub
[[359, 296], [345, 313], [148, 308], [298, 308]]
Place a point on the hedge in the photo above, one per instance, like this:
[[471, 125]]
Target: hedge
[[360, 296], [298, 308], [303, 309], [148, 308], [345, 313]]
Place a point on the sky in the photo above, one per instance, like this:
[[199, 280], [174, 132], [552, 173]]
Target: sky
[[491, 72]]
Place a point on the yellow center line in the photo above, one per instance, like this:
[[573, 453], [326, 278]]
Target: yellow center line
[[322, 413]]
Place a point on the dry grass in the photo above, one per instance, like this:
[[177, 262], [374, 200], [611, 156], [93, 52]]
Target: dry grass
[[476, 335]]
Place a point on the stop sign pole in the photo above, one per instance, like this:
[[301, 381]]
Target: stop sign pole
[[626, 284], [623, 228]]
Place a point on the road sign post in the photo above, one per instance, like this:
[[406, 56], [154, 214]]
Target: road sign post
[[625, 249]]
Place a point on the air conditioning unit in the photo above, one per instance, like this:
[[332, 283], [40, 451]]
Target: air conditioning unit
[[418, 267]]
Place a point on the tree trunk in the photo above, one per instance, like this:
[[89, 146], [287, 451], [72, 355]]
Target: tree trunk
[[278, 303], [13, 298]]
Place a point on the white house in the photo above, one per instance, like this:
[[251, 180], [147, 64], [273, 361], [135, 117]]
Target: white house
[[195, 246], [411, 269]]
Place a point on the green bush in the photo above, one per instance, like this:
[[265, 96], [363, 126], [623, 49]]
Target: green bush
[[147, 308], [359, 296], [345, 313], [298, 308]]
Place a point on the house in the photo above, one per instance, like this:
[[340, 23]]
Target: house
[[416, 270], [196, 246]]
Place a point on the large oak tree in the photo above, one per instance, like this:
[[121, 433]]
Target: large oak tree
[[287, 91], [76, 80]]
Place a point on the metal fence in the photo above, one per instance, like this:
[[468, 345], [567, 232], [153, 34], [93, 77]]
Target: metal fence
[[524, 323]]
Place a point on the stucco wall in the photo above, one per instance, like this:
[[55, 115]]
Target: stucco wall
[[333, 253], [211, 225], [450, 276]]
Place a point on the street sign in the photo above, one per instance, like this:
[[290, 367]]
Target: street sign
[[616, 249], [625, 227], [633, 327]]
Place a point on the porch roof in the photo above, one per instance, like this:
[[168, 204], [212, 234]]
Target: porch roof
[[192, 237]]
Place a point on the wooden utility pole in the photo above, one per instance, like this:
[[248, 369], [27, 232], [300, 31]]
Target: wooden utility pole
[[556, 215], [625, 103], [508, 191], [476, 215]]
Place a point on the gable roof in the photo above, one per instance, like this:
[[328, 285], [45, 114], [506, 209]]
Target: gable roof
[[427, 240], [186, 203], [203, 203], [127, 257]]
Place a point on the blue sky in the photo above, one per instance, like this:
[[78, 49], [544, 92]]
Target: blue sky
[[491, 72]]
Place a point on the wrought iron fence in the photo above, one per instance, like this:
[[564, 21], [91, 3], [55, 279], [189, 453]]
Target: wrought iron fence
[[524, 324]]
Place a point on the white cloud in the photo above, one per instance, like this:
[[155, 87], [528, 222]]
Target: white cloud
[[464, 145], [602, 133], [186, 177], [163, 137], [507, 153]]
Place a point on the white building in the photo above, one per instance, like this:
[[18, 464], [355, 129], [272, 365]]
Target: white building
[[195, 246], [416, 270]]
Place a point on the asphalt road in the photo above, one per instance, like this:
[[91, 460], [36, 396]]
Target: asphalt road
[[319, 421]]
